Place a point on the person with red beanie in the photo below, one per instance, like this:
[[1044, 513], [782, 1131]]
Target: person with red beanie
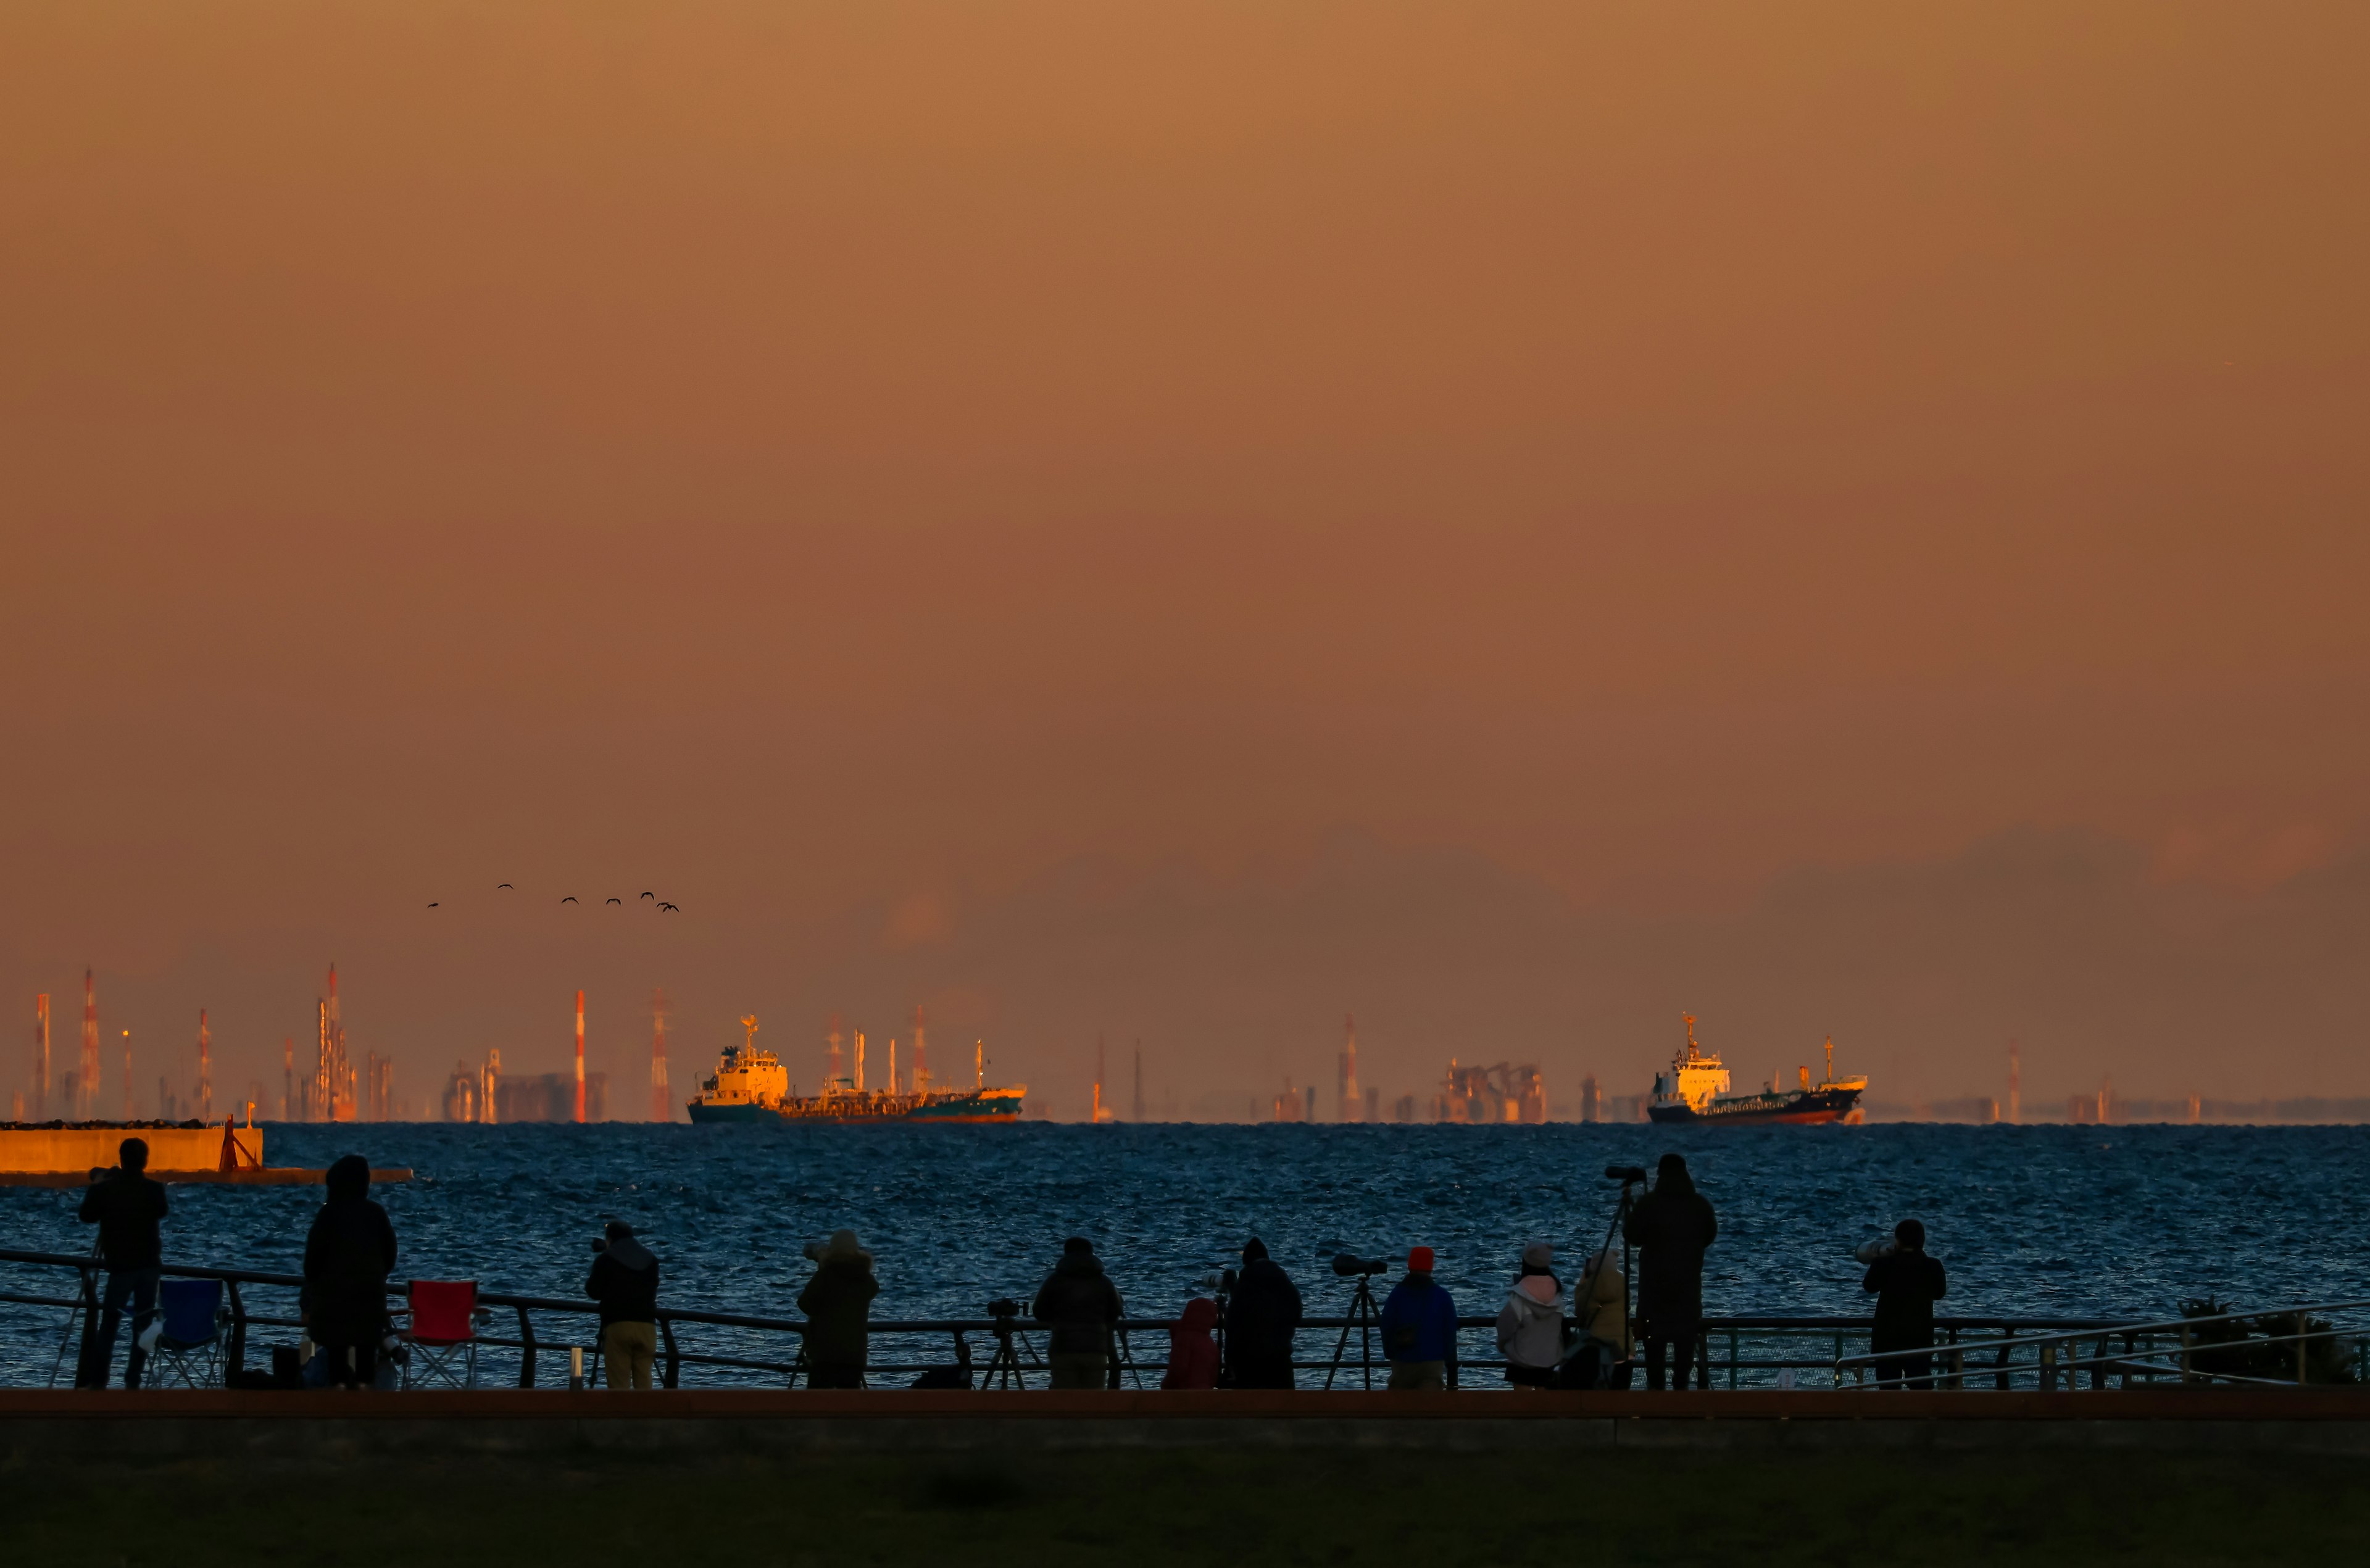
[[1420, 1329], [1192, 1351]]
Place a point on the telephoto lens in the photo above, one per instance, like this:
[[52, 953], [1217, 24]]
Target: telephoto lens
[[813, 1250], [1347, 1265], [1624, 1173], [1004, 1307]]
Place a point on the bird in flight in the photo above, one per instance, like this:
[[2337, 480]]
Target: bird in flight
[[666, 906], [499, 885], [569, 899], [432, 904], [648, 895], [617, 900]]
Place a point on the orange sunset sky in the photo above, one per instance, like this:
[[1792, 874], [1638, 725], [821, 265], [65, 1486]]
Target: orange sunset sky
[[1184, 520]]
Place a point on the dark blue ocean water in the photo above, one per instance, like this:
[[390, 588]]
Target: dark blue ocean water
[[2035, 1220]]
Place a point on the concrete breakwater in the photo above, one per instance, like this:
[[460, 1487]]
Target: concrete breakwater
[[77, 1147]]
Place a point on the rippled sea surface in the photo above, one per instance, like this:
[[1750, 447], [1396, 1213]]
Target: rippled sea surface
[[2029, 1220]]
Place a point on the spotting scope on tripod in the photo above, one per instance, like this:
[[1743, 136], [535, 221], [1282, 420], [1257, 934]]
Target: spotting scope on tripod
[[1363, 1316]]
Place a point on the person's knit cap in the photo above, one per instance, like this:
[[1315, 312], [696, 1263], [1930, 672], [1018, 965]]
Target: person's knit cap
[[1077, 1245], [1419, 1260], [1538, 1256]]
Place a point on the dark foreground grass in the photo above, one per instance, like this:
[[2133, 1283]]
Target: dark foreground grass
[[1131, 1508]]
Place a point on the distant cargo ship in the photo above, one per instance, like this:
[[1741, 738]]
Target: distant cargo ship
[[751, 1085], [1696, 1089]]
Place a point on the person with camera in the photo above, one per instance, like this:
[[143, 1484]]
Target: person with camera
[[1081, 1306], [348, 1255], [624, 1280], [1530, 1325], [1907, 1284], [1420, 1329], [838, 1305], [129, 1210], [1262, 1314], [1671, 1227]]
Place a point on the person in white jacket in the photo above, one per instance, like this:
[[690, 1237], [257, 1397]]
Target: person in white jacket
[[1530, 1325]]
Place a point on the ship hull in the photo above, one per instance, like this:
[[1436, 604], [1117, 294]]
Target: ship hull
[[1811, 1107], [992, 1106], [736, 1113]]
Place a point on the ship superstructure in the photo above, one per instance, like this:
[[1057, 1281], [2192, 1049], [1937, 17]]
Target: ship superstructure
[[1696, 1089], [748, 1084]]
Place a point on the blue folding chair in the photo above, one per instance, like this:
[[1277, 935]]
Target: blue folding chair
[[190, 1320]]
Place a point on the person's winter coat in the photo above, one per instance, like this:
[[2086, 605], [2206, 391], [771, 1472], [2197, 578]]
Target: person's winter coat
[[1419, 1321], [127, 1208], [1080, 1304], [1597, 1302], [1671, 1227], [1263, 1313], [348, 1255], [838, 1305], [624, 1280], [1192, 1350], [1906, 1283], [1530, 1325]]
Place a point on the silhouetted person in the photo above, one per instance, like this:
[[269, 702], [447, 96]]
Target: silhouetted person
[[1261, 1316], [1420, 1329], [129, 1210], [624, 1280], [1081, 1306], [1907, 1284], [838, 1305], [1193, 1354], [347, 1257], [1671, 1227]]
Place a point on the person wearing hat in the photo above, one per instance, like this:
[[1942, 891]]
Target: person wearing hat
[[838, 1305], [1261, 1316], [624, 1280], [1671, 1227], [1907, 1284], [1420, 1329], [1081, 1306], [1530, 1325]]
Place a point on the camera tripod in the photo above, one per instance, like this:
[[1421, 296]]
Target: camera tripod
[[1367, 1321], [1630, 1177], [1003, 1370]]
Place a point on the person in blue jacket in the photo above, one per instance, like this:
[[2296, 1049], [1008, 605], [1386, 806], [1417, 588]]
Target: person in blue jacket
[[1420, 1329]]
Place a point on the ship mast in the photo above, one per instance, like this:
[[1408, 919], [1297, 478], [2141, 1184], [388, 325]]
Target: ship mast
[[1692, 1052]]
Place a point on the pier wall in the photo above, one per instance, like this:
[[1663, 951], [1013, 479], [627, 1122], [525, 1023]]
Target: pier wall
[[40, 1150], [325, 1429]]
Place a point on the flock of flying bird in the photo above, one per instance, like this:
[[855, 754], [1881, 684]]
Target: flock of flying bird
[[663, 906]]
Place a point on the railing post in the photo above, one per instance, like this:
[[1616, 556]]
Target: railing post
[[1839, 1361], [2049, 1369], [84, 1375], [2304, 1345], [674, 1357], [2186, 1375], [1731, 1358], [526, 1349], [238, 1352]]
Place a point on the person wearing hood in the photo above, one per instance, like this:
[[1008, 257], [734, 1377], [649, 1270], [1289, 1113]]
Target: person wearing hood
[[1081, 1306], [348, 1255], [1420, 1329], [1261, 1317], [838, 1305], [1192, 1352], [624, 1280], [1530, 1325], [1600, 1306], [128, 1208], [1671, 1227], [1907, 1284]]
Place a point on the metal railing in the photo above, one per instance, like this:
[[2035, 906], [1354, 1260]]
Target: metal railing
[[1734, 1352], [2214, 1347]]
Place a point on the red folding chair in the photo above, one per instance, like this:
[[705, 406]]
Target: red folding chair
[[443, 1333]]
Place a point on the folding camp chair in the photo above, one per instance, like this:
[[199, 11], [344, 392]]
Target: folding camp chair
[[443, 1333], [188, 1347]]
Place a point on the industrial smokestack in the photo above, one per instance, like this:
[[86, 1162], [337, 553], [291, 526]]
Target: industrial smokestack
[[86, 1081], [41, 1058], [579, 1057], [920, 1060], [661, 1100], [205, 1070]]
